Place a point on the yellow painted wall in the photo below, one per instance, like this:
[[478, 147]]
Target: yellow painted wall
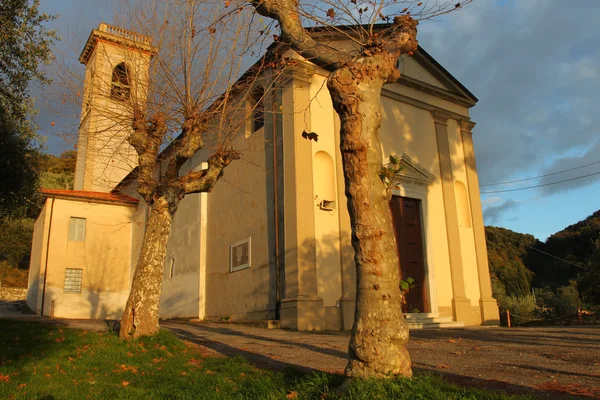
[[104, 256], [236, 210], [179, 297]]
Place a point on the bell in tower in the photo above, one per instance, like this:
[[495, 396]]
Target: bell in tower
[[117, 72]]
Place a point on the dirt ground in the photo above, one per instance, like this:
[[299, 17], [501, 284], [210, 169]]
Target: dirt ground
[[548, 362]]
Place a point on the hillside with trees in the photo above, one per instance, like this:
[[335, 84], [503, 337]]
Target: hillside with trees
[[535, 279], [16, 231]]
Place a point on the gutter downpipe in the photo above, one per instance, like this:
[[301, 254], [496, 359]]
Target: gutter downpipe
[[276, 219], [46, 262]]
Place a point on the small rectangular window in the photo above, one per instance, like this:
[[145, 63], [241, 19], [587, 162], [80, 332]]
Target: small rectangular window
[[77, 229], [73, 278], [255, 107]]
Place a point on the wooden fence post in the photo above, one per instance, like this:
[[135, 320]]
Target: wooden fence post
[[508, 317]]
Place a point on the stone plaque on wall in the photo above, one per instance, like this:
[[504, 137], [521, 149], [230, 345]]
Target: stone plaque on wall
[[240, 255]]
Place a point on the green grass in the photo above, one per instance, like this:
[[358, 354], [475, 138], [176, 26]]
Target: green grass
[[44, 362]]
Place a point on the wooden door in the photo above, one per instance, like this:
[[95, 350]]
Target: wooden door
[[406, 215]]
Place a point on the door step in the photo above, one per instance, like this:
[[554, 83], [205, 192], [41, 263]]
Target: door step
[[431, 321]]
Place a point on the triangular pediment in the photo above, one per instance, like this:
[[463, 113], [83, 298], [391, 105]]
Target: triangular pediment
[[412, 172], [419, 71]]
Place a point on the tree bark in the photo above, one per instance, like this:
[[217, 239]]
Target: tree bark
[[140, 317], [379, 333]]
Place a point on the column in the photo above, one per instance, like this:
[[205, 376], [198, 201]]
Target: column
[[461, 305], [487, 304]]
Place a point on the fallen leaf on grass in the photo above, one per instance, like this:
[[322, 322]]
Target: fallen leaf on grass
[[125, 383], [292, 395], [452, 340], [4, 378], [209, 372], [183, 373]]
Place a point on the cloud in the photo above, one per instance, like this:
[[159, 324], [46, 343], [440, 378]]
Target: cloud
[[576, 177], [493, 213], [534, 67]]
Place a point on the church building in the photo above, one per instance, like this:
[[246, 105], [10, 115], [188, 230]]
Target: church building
[[272, 241]]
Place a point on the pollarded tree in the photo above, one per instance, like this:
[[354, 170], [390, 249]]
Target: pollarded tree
[[178, 97], [194, 91], [379, 333]]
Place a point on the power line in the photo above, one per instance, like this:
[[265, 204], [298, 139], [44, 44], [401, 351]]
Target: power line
[[540, 176], [542, 185], [543, 252]]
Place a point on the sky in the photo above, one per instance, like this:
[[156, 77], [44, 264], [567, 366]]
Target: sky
[[535, 67]]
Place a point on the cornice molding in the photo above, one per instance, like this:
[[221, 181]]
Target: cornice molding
[[117, 36], [302, 71], [440, 117], [466, 126]]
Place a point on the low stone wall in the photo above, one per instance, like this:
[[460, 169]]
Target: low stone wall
[[12, 294]]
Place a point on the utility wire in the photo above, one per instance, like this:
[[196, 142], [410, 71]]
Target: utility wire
[[540, 176], [543, 252], [545, 184]]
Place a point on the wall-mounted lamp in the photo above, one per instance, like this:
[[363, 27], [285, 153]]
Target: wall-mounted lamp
[[327, 205]]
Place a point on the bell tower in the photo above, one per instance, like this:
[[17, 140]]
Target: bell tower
[[117, 72]]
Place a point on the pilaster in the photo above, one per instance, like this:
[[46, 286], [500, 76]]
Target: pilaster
[[301, 308], [460, 303], [487, 304]]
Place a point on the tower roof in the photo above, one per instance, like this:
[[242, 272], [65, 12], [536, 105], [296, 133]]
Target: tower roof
[[119, 36]]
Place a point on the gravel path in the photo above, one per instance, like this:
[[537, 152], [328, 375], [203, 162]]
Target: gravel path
[[550, 362]]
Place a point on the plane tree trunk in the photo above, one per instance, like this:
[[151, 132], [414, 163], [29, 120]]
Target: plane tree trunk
[[140, 317], [379, 333]]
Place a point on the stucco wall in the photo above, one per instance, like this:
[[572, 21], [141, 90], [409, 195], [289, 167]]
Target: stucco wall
[[179, 297], [236, 210], [104, 256]]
